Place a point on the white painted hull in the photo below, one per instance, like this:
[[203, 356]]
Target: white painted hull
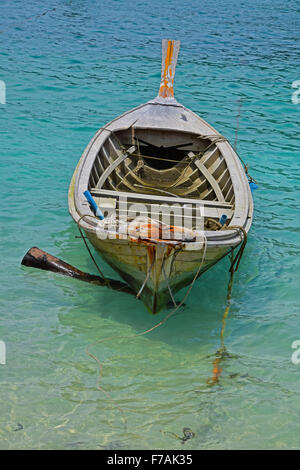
[[163, 267]]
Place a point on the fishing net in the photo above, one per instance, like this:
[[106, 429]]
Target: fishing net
[[144, 228]]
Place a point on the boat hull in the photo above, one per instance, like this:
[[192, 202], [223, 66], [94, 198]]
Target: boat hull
[[156, 272]]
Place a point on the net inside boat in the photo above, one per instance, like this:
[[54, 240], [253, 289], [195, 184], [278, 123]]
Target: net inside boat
[[168, 167], [145, 228]]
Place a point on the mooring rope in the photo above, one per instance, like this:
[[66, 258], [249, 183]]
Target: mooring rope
[[226, 312], [221, 352], [106, 281], [146, 278], [235, 261], [164, 320], [167, 281], [234, 264]]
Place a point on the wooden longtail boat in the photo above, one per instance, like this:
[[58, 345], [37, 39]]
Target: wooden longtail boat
[[155, 156]]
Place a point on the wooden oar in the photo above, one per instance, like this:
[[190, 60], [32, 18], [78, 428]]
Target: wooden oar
[[36, 258]]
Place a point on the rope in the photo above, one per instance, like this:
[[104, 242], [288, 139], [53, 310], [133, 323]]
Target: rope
[[237, 123], [221, 353], [214, 139], [221, 138], [235, 262], [212, 224], [226, 312], [156, 189], [156, 158], [146, 278], [251, 180], [189, 161], [164, 320], [106, 281], [187, 434], [167, 281]]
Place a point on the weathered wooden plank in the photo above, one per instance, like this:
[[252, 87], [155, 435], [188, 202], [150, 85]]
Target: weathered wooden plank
[[115, 147], [211, 212], [113, 166], [162, 199], [210, 154], [209, 177]]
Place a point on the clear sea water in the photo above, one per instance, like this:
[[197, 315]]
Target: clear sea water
[[70, 67]]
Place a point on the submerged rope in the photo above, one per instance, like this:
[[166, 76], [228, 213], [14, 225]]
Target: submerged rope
[[187, 434], [164, 320], [146, 278], [235, 262], [226, 312], [167, 281], [221, 353]]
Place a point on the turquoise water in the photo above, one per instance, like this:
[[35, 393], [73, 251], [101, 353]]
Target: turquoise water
[[70, 67]]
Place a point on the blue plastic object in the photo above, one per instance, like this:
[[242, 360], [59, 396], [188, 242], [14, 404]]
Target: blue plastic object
[[93, 205], [223, 219], [253, 186]]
